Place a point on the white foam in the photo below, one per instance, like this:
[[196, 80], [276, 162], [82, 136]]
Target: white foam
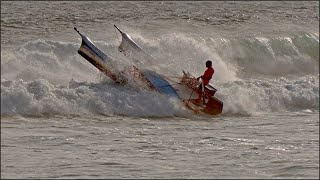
[[35, 76]]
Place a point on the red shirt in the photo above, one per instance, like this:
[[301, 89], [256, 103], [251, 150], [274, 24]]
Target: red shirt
[[207, 75]]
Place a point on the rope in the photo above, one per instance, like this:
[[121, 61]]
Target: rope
[[172, 77], [171, 80], [117, 35], [190, 96]]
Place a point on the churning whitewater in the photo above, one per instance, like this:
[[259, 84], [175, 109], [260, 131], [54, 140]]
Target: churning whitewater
[[62, 118], [253, 74]]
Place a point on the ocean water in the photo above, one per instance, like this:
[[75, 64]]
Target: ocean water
[[61, 118]]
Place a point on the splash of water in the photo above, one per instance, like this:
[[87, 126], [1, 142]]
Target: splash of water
[[252, 74]]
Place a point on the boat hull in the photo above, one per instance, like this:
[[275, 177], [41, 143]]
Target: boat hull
[[209, 105]]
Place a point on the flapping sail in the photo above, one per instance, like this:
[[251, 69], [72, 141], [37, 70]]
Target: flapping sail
[[97, 58], [133, 51]]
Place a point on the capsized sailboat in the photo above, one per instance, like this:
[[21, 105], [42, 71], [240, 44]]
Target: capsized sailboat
[[149, 78], [144, 77]]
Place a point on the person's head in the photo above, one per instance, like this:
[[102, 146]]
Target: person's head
[[208, 63]]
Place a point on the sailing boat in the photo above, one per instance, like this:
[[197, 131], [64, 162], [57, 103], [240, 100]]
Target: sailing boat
[[148, 78]]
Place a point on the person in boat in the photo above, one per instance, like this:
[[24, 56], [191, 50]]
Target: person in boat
[[205, 79]]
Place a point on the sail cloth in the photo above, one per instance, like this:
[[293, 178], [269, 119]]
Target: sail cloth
[[134, 52], [159, 83], [145, 62], [97, 58]]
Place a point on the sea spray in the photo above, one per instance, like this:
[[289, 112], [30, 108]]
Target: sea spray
[[252, 74]]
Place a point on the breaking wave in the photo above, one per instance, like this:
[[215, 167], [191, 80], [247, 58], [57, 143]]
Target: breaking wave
[[252, 74]]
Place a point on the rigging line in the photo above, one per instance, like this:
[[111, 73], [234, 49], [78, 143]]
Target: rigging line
[[117, 35], [172, 77], [190, 96], [172, 80]]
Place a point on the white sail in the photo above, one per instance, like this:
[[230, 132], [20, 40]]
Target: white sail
[[134, 52]]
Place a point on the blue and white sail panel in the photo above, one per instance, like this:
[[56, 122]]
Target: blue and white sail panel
[[96, 57], [159, 83]]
